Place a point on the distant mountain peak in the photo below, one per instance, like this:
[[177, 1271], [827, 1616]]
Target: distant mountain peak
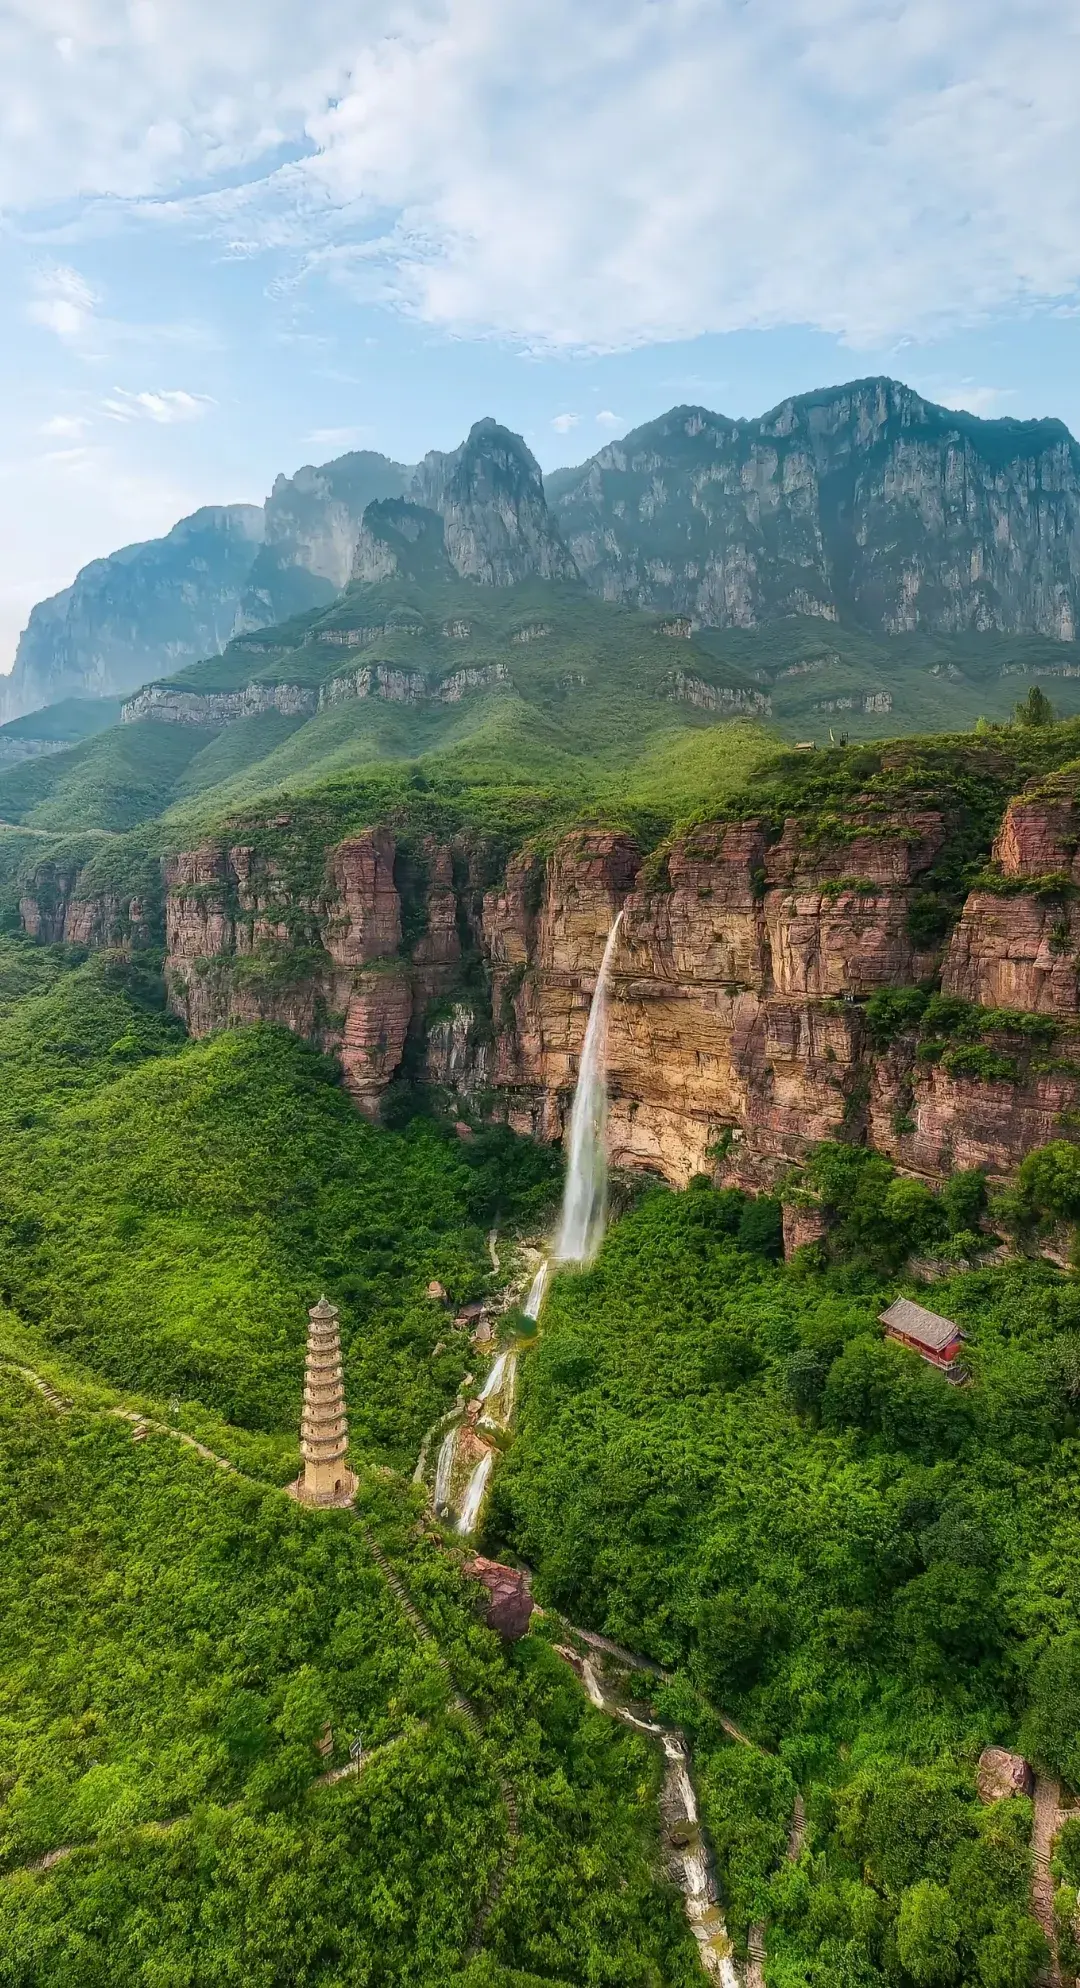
[[864, 503], [489, 493]]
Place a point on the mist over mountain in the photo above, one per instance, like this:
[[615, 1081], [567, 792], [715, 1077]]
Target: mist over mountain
[[156, 605], [863, 505]]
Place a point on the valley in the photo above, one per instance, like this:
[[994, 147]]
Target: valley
[[477, 938]]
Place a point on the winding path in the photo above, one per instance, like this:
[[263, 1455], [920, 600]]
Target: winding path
[[1049, 1812]]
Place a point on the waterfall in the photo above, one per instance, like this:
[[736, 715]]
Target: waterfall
[[584, 1206], [470, 1510], [536, 1290], [495, 1378], [498, 1389], [444, 1469]]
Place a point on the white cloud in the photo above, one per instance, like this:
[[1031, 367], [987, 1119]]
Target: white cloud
[[579, 177], [608, 419], [62, 302], [167, 406], [64, 427], [338, 438], [563, 423], [971, 398]]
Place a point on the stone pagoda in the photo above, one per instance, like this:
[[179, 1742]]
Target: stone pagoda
[[324, 1428]]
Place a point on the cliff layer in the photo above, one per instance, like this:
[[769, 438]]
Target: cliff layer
[[743, 1023]]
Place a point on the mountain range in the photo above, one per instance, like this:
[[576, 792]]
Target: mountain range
[[863, 507]]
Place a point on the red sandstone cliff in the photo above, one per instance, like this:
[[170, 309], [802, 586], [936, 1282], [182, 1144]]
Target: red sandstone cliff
[[738, 976]]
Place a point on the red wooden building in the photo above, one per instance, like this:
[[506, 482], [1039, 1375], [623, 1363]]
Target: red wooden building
[[934, 1338]]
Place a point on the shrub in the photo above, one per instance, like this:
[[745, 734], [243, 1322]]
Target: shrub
[[761, 1226], [892, 1011], [963, 1199]]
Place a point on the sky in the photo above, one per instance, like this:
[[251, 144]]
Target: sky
[[243, 235]]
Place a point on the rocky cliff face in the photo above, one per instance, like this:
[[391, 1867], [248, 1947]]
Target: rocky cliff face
[[150, 609], [489, 494], [863, 503], [312, 523], [736, 1020], [146, 610]]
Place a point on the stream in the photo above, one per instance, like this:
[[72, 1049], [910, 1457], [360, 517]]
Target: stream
[[455, 1466], [466, 1458]]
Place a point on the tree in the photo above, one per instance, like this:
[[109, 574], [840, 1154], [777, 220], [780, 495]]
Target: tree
[[1035, 708], [805, 1374], [927, 1934], [963, 1198], [761, 1226], [1051, 1732], [1014, 1954], [1049, 1181]]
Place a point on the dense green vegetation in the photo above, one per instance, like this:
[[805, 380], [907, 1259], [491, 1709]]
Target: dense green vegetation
[[169, 1210], [834, 681], [176, 1643], [176, 1638], [720, 1462]]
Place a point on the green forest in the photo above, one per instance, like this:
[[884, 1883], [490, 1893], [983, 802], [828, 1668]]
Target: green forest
[[717, 1461], [177, 1639], [851, 1577]]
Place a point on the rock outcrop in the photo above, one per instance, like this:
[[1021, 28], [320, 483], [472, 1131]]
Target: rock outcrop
[[312, 520], [55, 910], [863, 503], [1003, 1774], [510, 1605], [166, 705], [1018, 947]]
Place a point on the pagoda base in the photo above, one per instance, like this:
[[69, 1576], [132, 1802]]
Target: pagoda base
[[325, 1499]]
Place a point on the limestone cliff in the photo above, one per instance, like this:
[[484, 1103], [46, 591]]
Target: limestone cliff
[[490, 496], [312, 522], [144, 611], [738, 1029], [862, 503], [150, 609]]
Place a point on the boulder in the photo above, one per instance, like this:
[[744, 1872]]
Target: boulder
[[1002, 1774], [509, 1607], [437, 1291]]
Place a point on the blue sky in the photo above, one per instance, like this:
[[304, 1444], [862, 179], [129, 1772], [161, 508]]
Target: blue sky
[[235, 238]]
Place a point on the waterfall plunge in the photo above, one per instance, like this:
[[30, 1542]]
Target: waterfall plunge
[[584, 1206], [444, 1469], [474, 1496]]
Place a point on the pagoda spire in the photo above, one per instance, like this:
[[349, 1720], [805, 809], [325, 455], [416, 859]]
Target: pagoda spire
[[324, 1427]]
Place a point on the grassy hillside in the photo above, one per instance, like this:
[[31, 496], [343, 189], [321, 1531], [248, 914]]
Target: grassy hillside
[[823, 678], [569, 691], [169, 1209], [73, 718]]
